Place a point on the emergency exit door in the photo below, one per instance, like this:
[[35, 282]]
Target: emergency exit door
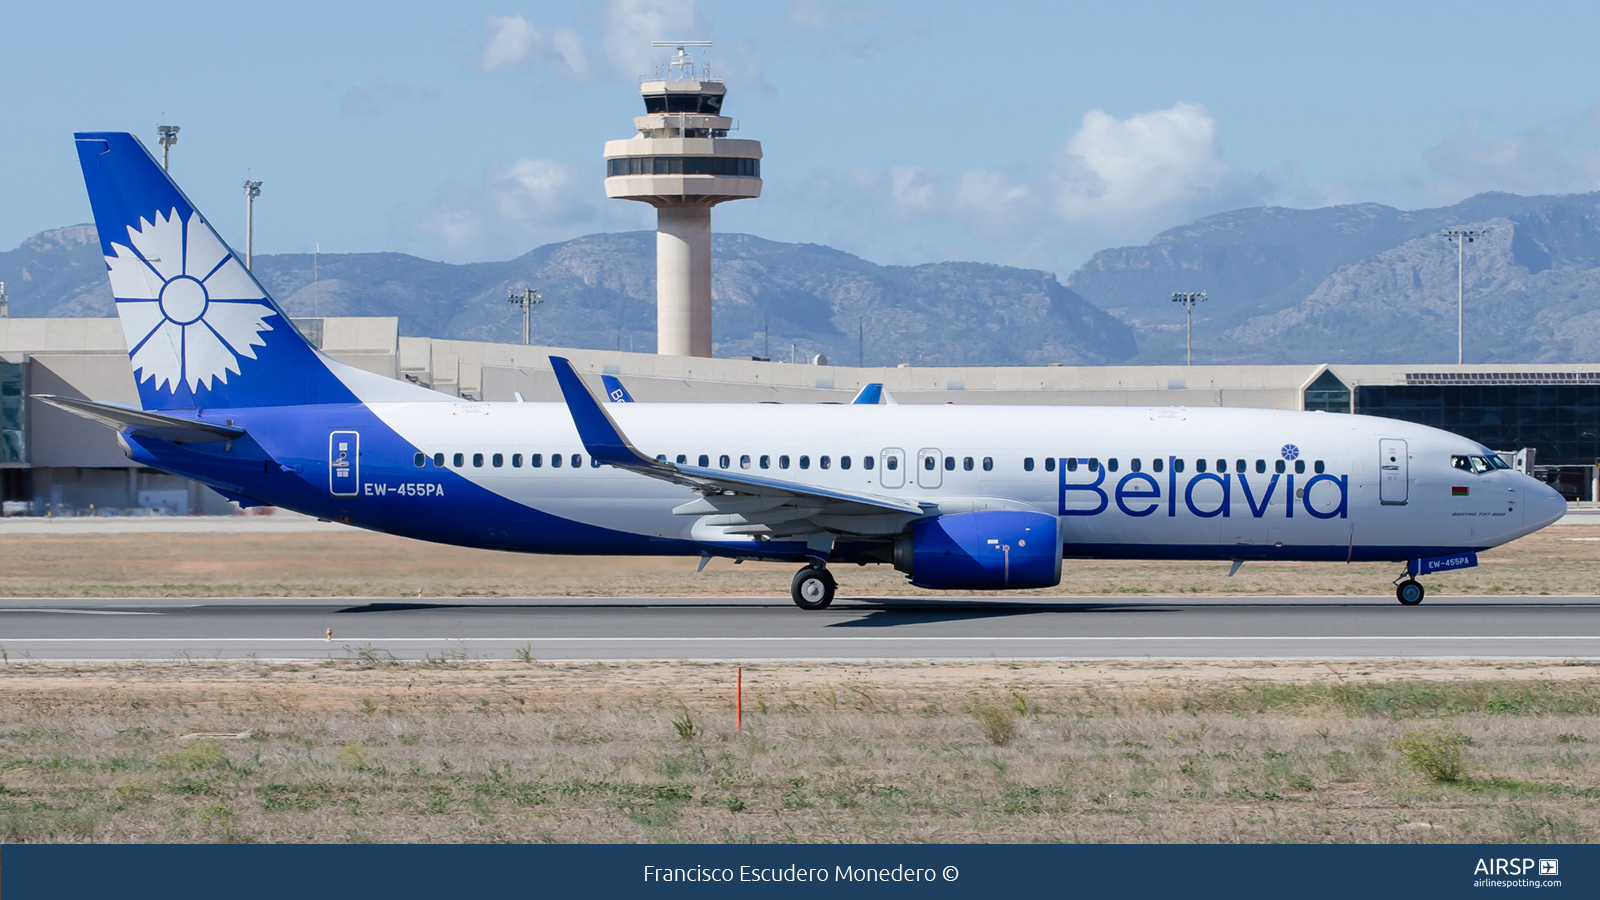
[[344, 463], [1394, 479]]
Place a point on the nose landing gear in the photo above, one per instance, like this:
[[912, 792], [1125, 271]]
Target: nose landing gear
[[812, 587]]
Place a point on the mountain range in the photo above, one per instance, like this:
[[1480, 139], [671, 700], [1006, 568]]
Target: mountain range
[[1359, 283]]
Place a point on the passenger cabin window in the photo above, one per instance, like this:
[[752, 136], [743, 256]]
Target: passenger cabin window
[[967, 464], [744, 461], [555, 460], [1135, 465], [766, 461], [1027, 464], [1278, 466], [1222, 465], [805, 462], [477, 460], [1177, 465], [1199, 466], [949, 463], [536, 460], [419, 459], [1094, 463], [516, 460], [892, 462], [1239, 466], [1111, 464], [683, 458], [1299, 467], [723, 461], [458, 460], [577, 460], [783, 462], [1072, 464], [988, 464], [1261, 467], [1156, 464], [594, 462], [1318, 467], [1049, 463], [438, 460], [844, 462], [498, 460], [825, 462], [705, 460], [867, 463]]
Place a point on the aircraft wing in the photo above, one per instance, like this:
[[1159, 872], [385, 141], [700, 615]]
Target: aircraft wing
[[739, 503], [143, 423]]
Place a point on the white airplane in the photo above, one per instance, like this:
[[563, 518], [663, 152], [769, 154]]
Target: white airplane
[[956, 497]]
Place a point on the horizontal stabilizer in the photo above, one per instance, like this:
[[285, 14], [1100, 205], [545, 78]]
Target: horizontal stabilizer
[[143, 423]]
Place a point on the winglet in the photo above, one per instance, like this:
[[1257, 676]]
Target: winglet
[[870, 394], [598, 431], [615, 392]]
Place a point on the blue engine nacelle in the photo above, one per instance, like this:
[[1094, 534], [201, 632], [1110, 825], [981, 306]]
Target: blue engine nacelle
[[992, 550]]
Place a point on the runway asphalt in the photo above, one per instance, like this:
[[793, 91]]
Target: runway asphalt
[[1081, 628]]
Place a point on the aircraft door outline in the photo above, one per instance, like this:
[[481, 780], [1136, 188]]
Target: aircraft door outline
[[1394, 478], [892, 467], [929, 473], [344, 463]]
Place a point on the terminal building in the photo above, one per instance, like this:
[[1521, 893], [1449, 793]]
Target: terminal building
[[52, 462]]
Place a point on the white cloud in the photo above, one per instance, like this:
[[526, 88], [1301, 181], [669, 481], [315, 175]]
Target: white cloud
[[515, 43], [630, 26], [378, 95], [515, 209], [1561, 157], [831, 21], [1113, 181], [616, 49]]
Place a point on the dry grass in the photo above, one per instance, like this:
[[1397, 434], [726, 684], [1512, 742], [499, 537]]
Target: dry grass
[[907, 752], [361, 563]]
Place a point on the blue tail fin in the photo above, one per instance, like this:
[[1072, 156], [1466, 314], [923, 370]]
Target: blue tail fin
[[615, 392], [201, 331]]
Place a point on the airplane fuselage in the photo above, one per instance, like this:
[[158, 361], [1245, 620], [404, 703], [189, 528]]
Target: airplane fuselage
[[1159, 483]]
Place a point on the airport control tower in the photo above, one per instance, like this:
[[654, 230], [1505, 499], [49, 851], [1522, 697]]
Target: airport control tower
[[682, 163]]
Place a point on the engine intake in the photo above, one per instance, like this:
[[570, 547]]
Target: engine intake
[[992, 550]]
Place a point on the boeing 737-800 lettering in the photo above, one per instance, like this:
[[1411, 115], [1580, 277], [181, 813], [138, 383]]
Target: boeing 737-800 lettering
[[956, 497]]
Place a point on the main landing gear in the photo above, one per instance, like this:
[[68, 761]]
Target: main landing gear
[[812, 587], [1409, 592]]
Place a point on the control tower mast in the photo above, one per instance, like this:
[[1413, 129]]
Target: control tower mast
[[682, 163]]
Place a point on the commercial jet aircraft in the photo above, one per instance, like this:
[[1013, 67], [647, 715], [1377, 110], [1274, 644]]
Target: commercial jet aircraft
[[956, 497]]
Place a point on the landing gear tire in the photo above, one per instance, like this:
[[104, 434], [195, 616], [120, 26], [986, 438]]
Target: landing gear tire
[[812, 588], [1409, 592]]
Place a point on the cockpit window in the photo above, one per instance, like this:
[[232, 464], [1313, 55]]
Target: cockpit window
[[1478, 465]]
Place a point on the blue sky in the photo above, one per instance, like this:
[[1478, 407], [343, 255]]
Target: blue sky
[[1020, 133]]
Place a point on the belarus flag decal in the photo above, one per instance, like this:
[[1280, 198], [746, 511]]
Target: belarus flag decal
[[1458, 491]]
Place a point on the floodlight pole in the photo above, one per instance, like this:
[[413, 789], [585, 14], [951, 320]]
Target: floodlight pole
[[169, 136], [252, 190], [1189, 300], [5, 302], [528, 298], [1461, 239]]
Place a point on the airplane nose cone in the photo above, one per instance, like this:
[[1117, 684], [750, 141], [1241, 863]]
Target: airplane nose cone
[[1544, 505]]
